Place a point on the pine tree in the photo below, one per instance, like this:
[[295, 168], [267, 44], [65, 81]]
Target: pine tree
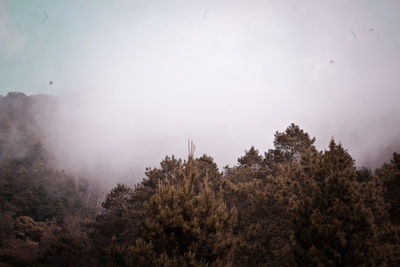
[[389, 178], [252, 158], [184, 227], [333, 226], [114, 221], [289, 145]]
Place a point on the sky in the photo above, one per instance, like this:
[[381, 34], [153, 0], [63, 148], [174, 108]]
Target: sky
[[136, 79]]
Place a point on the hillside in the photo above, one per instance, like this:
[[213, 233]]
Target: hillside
[[289, 206]]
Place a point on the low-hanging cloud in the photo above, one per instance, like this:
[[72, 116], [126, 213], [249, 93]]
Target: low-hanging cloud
[[149, 76], [11, 40]]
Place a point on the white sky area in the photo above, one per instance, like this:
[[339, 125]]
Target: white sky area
[[136, 79]]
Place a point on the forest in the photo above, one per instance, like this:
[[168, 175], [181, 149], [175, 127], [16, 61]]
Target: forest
[[290, 205]]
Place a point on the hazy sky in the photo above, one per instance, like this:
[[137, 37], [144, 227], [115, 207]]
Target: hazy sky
[[138, 78]]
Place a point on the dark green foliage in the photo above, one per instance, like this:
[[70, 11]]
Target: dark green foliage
[[207, 169], [288, 146], [389, 177], [265, 192], [116, 207], [183, 226], [36, 202], [389, 174], [6, 229], [19, 253], [292, 143], [333, 226], [146, 189], [115, 221], [184, 223], [26, 228], [124, 209], [19, 130], [30, 187], [252, 159], [65, 250], [291, 206]]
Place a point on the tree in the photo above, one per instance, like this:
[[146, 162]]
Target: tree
[[30, 187], [265, 192], [26, 228], [250, 166], [333, 226], [184, 226], [389, 178], [288, 146], [252, 159], [389, 174], [265, 208], [114, 220]]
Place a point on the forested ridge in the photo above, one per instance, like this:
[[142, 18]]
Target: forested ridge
[[291, 205]]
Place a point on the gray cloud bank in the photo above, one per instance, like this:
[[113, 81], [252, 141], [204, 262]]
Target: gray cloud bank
[[156, 75]]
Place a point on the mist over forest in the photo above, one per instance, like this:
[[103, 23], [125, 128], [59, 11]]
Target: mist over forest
[[199, 133], [104, 139], [291, 205]]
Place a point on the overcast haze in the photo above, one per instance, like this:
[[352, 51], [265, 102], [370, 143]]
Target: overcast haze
[[136, 79]]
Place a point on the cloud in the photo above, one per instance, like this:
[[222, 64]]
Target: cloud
[[149, 76], [11, 40]]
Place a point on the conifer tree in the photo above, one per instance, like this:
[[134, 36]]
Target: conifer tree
[[266, 194], [207, 169], [288, 146], [184, 227], [333, 226], [389, 174], [389, 177], [252, 158], [114, 221]]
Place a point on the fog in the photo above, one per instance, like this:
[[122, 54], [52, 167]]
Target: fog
[[135, 80]]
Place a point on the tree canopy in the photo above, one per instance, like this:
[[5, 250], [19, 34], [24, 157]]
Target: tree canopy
[[289, 206]]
